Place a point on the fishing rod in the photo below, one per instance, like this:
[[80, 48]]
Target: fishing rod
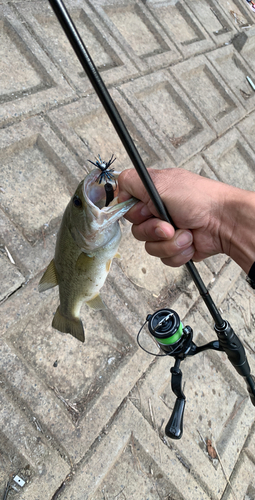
[[172, 340]]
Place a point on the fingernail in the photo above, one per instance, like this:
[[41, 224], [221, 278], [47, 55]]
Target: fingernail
[[184, 239], [145, 211], [188, 251], [160, 233]]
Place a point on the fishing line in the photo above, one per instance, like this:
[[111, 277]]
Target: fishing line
[[143, 348], [173, 351]]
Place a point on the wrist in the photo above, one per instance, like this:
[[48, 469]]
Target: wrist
[[237, 228]]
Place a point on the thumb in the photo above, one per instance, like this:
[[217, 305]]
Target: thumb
[[130, 184]]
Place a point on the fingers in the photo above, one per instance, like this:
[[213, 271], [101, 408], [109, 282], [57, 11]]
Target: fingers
[[153, 230], [174, 252], [138, 213], [174, 248], [181, 259]]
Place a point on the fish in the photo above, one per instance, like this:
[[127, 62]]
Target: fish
[[87, 241]]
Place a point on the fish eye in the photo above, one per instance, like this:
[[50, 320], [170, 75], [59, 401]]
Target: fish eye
[[77, 201]]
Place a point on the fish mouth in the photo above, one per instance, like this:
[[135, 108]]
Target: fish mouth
[[94, 193]]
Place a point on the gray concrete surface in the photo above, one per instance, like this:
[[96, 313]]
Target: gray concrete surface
[[82, 422]]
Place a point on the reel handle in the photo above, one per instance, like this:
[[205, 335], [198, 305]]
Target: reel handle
[[174, 428]]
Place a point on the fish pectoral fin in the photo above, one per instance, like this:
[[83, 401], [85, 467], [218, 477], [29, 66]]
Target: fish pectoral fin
[[68, 325], [83, 262], [96, 303], [117, 256], [49, 279]]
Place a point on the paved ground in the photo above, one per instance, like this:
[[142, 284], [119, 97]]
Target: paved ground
[[87, 421]]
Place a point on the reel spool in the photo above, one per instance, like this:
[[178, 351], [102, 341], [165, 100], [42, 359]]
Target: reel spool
[[168, 331]]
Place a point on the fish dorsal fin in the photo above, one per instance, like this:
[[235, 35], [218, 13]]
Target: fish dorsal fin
[[96, 303], [49, 279], [83, 262]]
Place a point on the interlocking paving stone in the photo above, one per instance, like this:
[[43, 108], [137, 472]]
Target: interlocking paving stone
[[10, 277], [197, 165], [210, 14], [30, 82], [238, 305], [38, 176], [242, 480], [234, 70], [239, 11], [214, 99], [94, 389], [216, 263], [105, 52], [232, 160], [87, 131], [28, 259], [247, 129], [47, 469], [250, 445], [131, 453], [171, 117], [147, 272], [28, 165], [138, 32], [220, 288], [246, 47], [190, 294], [182, 26], [90, 417], [162, 287]]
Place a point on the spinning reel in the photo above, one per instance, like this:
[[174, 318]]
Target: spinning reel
[[176, 340]]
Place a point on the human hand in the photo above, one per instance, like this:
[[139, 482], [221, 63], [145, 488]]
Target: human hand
[[196, 206]]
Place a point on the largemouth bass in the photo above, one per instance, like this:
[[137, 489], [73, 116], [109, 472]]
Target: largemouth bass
[[87, 241]]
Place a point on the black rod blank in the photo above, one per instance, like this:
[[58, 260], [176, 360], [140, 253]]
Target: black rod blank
[[109, 106]]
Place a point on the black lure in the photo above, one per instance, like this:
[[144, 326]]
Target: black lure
[[109, 193], [103, 166]]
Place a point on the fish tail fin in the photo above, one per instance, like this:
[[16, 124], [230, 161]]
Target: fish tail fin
[[68, 325]]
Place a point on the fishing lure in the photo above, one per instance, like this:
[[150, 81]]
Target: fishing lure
[[103, 166]]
